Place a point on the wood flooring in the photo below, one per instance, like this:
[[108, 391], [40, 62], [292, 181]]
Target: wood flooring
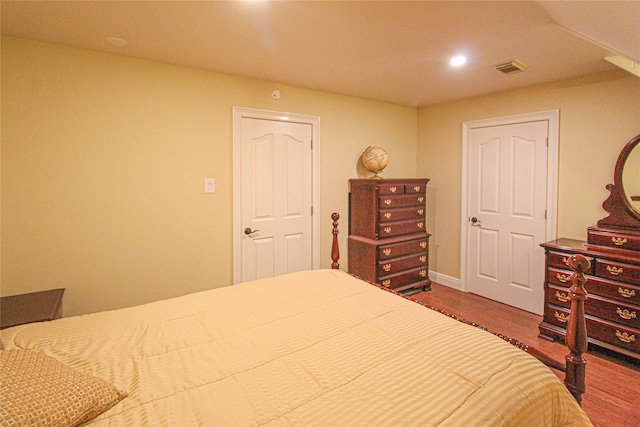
[[612, 398]]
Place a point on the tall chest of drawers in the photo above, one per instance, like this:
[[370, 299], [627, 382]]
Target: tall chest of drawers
[[388, 242], [613, 283]]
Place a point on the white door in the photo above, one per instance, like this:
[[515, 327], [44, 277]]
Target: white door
[[275, 198], [507, 202]]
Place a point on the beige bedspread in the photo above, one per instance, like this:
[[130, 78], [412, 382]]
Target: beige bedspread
[[317, 348]]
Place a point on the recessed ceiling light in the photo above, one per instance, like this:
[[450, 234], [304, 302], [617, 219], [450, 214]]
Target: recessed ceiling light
[[458, 61], [116, 41]]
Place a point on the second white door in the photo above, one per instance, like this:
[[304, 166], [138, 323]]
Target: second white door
[[507, 195], [276, 198]]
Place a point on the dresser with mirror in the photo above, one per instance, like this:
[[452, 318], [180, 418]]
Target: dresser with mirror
[[613, 281]]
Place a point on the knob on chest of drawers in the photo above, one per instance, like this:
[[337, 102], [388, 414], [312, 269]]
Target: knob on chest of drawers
[[561, 296], [619, 241], [614, 271], [627, 293], [561, 317], [564, 278], [625, 337], [387, 251], [625, 314]]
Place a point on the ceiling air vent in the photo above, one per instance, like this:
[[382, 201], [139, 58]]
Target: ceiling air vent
[[514, 66]]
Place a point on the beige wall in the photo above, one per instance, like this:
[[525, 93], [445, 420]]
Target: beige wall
[[103, 166], [599, 114]]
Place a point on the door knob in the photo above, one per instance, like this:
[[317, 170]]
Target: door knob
[[475, 220], [249, 231]]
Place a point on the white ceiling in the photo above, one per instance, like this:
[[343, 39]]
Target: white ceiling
[[393, 51]]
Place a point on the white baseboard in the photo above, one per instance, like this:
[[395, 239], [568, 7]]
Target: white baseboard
[[445, 280]]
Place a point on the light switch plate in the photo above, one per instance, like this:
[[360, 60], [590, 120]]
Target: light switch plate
[[209, 185]]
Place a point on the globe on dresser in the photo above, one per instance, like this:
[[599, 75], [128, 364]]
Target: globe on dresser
[[375, 159]]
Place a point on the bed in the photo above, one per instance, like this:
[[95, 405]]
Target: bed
[[314, 348]]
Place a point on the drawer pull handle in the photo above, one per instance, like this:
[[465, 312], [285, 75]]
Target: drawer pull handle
[[387, 215], [386, 267], [561, 317], [614, 271], [423, 258], [420, 211], [627, 293], [423, 273], [561, 296], [565, 260], [625, 337], [625, 314], [387, 202], [421, 225], [421, 199], [386, 282], [387, 251], [416, 188], [619, 241], [387, 230], [563, 277], [393, 189], [423, 245]]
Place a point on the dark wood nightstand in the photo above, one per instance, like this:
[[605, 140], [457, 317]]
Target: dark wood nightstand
[[31, 307]]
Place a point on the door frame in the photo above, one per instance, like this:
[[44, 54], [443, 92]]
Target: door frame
[[552, 117], [240, 113]]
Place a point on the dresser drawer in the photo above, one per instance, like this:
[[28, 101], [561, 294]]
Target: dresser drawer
[[405, 278], [625, 315], [617, 271], [415, 188], [386, 202], [614, 239], [611, 333], [558, 296], [598, 329], [628, 294], [387, 215], [404, 248], [391, 188], [402, 227], [560, 259], [401, 264], [559, 277]]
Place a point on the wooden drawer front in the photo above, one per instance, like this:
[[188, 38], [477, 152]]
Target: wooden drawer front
[[414, 188], [623, 292], [387, 215], [611, 333], [558, 296], [386, 202], [598, 329], [404, 248], [396, 228], [559, 259], [614, 240], [618, 271], [391, 189], [401, 264], [559, 277], [625, 315], [405, 278]]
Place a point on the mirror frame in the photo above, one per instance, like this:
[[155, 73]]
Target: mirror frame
[[621, 213]]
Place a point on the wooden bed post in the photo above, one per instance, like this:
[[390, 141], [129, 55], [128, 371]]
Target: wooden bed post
[[576, 338], [335, 249]]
